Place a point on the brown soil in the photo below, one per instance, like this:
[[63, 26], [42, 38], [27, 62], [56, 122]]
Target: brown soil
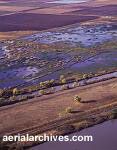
[[44, 16], [55, 9], [15, 35], [39, 111], [13, 8], [101, 11]]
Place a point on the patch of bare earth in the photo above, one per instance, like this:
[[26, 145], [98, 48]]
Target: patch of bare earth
[[15, 34]]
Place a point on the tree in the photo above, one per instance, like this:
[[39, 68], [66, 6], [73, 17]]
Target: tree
[[63, 81], [77, 98]]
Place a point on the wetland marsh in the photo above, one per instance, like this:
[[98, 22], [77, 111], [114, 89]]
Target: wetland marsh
[[47, 55], [58, 71]]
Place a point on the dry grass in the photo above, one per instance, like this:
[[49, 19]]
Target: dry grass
[[14, 8], [39, 111], [15, 34]]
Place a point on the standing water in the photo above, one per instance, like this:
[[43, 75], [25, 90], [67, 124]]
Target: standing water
[[104, 138]]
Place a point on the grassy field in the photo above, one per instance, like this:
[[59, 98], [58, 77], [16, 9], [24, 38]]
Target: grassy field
[[97, 99]]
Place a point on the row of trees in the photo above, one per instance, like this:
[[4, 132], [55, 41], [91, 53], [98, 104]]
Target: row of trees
[[41, 87]]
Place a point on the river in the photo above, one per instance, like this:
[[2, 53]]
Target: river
[[104, 138]]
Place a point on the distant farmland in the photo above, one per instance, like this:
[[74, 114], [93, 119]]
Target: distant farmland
[[29, 21], [109, 10]]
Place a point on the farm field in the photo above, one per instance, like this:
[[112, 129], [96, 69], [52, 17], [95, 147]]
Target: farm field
[[23, 119], [50, 51]]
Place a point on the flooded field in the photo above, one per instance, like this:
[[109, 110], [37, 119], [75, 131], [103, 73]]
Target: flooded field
[[103, 60], [36, 74], [2, 52], [104, 138], [47, 55], [14, 77], [85, 36]]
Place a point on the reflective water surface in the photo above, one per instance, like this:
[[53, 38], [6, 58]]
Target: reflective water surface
[[104, 138]]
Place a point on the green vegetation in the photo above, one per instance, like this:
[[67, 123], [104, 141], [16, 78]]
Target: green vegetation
[[114, 113], [15, 91], [77, 98], [47, 83], [85, 76], [63, 81], [42, 92]]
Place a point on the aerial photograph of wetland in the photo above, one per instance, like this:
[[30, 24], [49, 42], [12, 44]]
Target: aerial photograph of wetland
[[58, 74]]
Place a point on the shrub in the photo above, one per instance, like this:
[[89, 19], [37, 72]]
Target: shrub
[[63, 81], [47, 83], [13, 98], [42, 92], [15, 91], [32, 88], [62, 77], [52, 81], [75, 84], [77, 98], [24, 90], [30, 96], [114, 113], [24, 97], [65, 87], [53, 89], [68, 110], [42, 84], [6, 92], [85, 76], [2, 99]]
